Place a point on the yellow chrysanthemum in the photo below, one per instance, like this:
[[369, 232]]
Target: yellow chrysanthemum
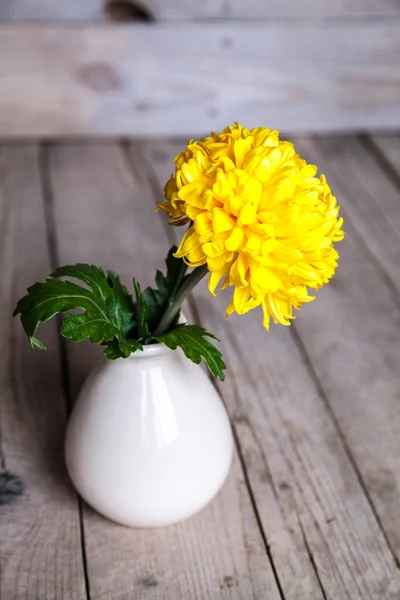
[[259, 218]]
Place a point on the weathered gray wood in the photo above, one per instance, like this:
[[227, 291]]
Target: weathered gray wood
[[320, 525], [152, 80], [321, 529], [352, 335], [308, 9], [40, 544], [389, 145], [189, 9], [104, 214], [370, 198], [39, 10]]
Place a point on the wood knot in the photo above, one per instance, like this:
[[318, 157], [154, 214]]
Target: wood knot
[[228, 582], [284, 485], [226, 42], [240, 419], [99, 77], [11, 486], [120, 10], [147, 580]]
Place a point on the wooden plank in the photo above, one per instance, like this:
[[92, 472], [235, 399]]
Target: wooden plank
[[40, 10], [152, 80], [370, 198], [103, 215], [40, 534], [389, 145], [311, 500], [308, 9], [23, 10], [352, 335]]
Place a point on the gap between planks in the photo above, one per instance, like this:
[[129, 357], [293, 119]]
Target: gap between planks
[[340, 433], [96, 11], [154, 185], [50, 224], [115, 220], [244, 433], [40, 532]]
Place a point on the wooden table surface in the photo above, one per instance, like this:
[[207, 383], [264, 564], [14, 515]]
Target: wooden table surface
[[311, 510]]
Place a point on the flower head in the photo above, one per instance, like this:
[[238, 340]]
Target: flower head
[[259, 218]]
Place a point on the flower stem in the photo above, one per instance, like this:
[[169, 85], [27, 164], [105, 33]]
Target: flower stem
[[188, 284]]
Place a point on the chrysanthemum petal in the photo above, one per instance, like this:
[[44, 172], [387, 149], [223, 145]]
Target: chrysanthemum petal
[[241, 148], [221, 221], [215, 278], [264, 280], [279, 310], [235, 239], [189, 242], [247, 214], [240, 298], [266, 314], [263, 221], [239, 271]]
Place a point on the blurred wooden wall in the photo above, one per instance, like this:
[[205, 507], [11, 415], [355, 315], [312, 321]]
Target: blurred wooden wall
[[175, 67]]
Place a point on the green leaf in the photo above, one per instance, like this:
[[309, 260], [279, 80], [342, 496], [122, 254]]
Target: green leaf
[[176, 270], [44, 300], [154, 311], [91, 325], [158, 299], [108, 310], [90, 274], [141, 314], [118, 303], [120, 306], [113, 351], [117, 349], [191, 339]]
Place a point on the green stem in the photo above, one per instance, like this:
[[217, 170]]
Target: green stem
[[189, 283]]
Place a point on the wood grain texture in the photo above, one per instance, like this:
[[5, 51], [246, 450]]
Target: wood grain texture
[[370, 198], [325, 537], [23, 10], [166, 79], [40, 534], [352, 337], [389, 145], [42, 10], [104, 214]]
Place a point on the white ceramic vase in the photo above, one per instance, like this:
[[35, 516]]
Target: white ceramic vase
[[149, 441]]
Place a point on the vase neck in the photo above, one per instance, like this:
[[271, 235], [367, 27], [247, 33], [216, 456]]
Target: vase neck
[[150, 351]]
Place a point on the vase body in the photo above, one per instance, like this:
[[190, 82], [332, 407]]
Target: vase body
[[149, 441]]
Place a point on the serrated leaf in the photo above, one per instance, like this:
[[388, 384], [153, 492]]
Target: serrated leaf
[[192, 340], [90, 274], [88, 324], [108, 311], [116, 349], [152, 307], [120, 306], [176, 270], [158, 299], [44, 300], [113, 351], [35, 343], [141, 314]]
